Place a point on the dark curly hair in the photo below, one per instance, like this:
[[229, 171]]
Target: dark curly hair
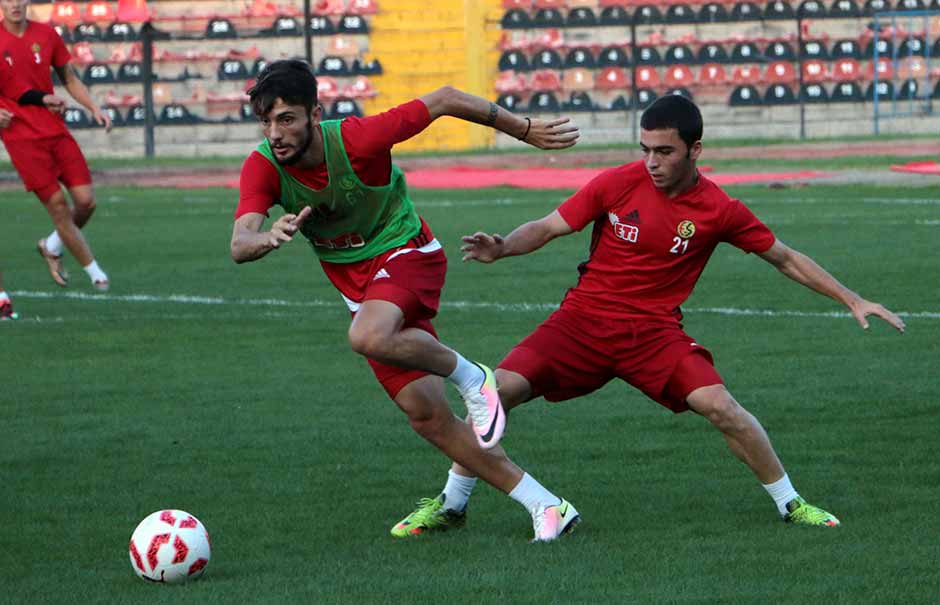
[[290, 80]]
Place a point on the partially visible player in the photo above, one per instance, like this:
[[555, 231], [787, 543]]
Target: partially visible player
[[39, 144], [338, 187], [655, 224]]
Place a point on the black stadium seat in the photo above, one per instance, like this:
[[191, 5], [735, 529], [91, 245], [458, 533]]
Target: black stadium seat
[[680, 13], [647, 14], [132, 71], [333, 66], [87, 32], [814, 93], [885, 91], [780, 51], [875, 6], [232, 69], [744, 96], [613, 56], [344, 108], [779, 94], [908, 90], [913, 47], [614, 15], [353, 24], [543, 102], [713, 53], [220, 29], [548, 17], [516, 19], [120, 31], [812, 9], [546, 59], [745, 52], [679, 54], [779, 9], [509, 101], [581, 16], [112, 112], [580, 57], [910, 5], [846, 92], [746, 11], [514, 60], [578, 101], [713, 12], [885, 48], [98, 73], [75, 117], [844, 9], [321, 26], [644, 97], [647, 55], [813, 49], [846, 48], [175, 114]]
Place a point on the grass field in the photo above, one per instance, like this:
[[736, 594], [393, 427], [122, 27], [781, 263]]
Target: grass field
[[230, 392]]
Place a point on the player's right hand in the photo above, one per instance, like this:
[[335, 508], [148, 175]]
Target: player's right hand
[[482, 247], [5, 118], [554, 134], [286, 226], [54, 104]]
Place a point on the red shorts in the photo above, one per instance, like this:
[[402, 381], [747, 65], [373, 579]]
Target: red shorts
[[411, 277], [42, 163], [571, 354]]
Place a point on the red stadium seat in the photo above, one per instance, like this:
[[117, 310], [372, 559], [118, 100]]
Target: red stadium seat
[[549, 3], [511, 82], [342, 46], [327, 89], [679, 76], [815, 71], [885, 70], [612, 78], [511, 4], [846, 70], [360, 88], [133, 11], [362, 7], [66, 13], [99, 12], [545, 80], [912, 68], [578, 79], [712, 74], [329, 7], [746, 74], [780, 72], [647, 77]]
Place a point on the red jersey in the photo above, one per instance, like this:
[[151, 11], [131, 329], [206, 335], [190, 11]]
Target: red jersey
[[32, 56], [11, 86], [647, 250], [368, 143]]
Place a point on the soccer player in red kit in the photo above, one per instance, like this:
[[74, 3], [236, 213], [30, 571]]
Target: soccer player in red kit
[[655, 223], [338, 187], [39, 144]]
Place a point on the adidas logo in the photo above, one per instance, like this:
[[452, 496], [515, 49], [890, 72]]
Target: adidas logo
[[381, 273], [634, 216]]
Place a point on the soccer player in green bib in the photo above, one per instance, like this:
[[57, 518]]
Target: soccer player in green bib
[[338, 187]]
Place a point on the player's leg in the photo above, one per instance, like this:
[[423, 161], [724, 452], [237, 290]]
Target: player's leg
[[83, 204], [6, 305]]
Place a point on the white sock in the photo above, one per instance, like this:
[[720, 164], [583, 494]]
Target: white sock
[[457, 491], [782, 492], [530, 494], [4, 296], [54, 244], [467, 375], [95, 272]]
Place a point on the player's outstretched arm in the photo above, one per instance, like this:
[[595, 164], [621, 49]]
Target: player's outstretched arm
[[525, 238], [802, 269], [250, 243], [551, 134], [80, 93]]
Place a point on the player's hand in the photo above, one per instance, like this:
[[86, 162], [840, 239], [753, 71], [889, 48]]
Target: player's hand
[[102, 119], [482, 247], [286, 226], [54, 104], [554, 134], [5, 118], [862, 308]]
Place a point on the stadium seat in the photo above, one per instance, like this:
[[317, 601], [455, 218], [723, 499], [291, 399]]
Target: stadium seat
[[99, 11], [912, 67], [120, 31], [220, 29], [545, 80], [779, 94], [176, 114], [522, 4], [543, 102], [713, 53], [813, 93], [614, 15], [578, 101], [647, 55], [549, 38], [117, 120], [548, 3], [580, 57], [82, 53], [87, 32], [232, 69], [647, 14], [779, 9], [581, 17], [712, 74], [321, 26], [884, 46], [366, 67], [329, 7], [577, 79], [644, 97], [353, 24], [362, 7], [619, 103], [327, 89], [678, 76], [746, 11], [75, 117], [333, 66], [647, 77], [846, 70], [846, 92], [936, 92], [64, 32], [884, 67], [814, 49], [713, 12], [680, 13], [908, 89], [344, 108], [259, 64], [846, 48], [247, 113], [745, 52], [283, 27], [910, 5], [679, 54], [680, 92], [612, 78], [613, 56], [547, 59], [130, 72], [514, 60], [811, 9], [516, 19], [875, 6], [509, 101], [136, 115], [746, 74], [98, 73], [342, 46], [815, 71], [548, 17], [510, 82], [913, 46], [780, 72], [935, 51], [744, 96], [66, 13], [360, 88], [133, 11], [845, 9], [885, 91], [780, 51]]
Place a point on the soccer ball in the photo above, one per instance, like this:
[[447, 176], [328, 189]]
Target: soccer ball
[[170, 546]]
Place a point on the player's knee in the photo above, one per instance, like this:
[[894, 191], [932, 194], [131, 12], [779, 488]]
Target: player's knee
[[85, 203], [719, 407], [368, 340]]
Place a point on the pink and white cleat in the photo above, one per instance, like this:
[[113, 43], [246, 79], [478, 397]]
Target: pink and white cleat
[[553, 521], [486, 410]]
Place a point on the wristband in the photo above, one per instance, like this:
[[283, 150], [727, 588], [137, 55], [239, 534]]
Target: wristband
[[528, 127]]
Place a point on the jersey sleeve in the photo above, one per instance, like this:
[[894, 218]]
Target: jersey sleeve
[[582, 208], [60, 52], [745, 231], [376, 135], [259, 186]]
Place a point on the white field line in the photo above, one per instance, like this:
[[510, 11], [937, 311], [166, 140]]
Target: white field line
[[185, 299]]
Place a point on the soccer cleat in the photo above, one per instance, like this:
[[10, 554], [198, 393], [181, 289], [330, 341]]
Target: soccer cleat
[[429, 516], [552, 521], [59, 275], [101, 285], [803, 513], [6, 311], [486, 410]]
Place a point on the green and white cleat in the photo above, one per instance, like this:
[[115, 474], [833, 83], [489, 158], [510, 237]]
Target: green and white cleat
[[802, 513], [430, 516]]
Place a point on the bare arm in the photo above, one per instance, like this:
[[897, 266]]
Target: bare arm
[[525, 238], [804, 270], [80, 93], [249, 243], [448, 101]]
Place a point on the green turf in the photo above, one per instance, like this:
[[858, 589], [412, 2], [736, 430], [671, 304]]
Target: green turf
[[258, 419]]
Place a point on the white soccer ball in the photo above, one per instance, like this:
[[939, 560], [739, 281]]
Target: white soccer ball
[[170, 546]]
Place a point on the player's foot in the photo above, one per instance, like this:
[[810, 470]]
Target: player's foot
[[486, 411], [429, 516], [101, 285], [552, 521], [6, 311], [799, 511], [59, 275]]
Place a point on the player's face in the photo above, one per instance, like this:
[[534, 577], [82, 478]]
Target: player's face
[[669, 161], [289, 130], [14, 11]]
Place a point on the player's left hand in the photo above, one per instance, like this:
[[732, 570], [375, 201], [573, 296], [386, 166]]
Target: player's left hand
[[862, 308], [54, 104], [5, 118], [553, 134], [102, 119]]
